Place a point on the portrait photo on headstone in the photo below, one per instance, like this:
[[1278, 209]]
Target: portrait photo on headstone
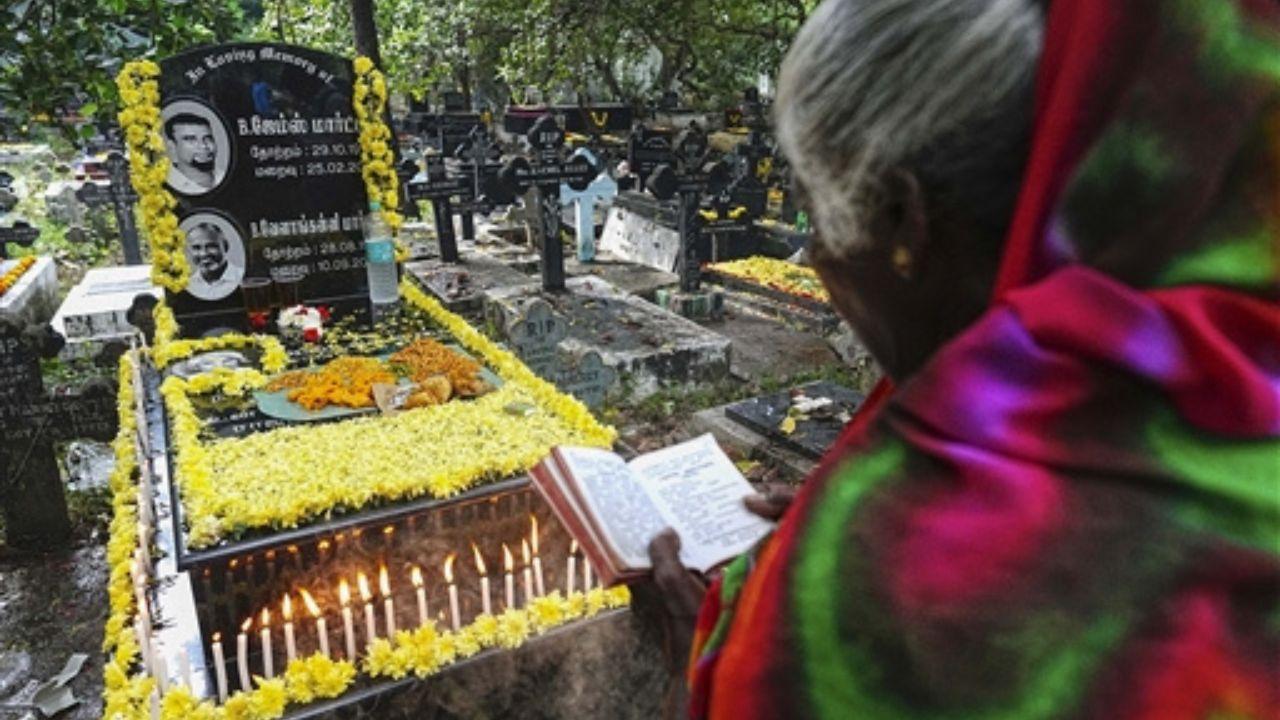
[[215, 252], [198, 145]]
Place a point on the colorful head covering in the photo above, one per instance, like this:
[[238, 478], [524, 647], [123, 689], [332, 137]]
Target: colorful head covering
[[1074, 509]]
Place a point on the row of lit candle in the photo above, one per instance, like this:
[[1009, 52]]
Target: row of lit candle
[[533, 586]]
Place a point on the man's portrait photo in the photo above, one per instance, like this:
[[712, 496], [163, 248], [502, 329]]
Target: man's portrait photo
[[215, 252], [198, 146]]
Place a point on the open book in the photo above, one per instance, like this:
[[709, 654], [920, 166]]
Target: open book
[[614, 508]]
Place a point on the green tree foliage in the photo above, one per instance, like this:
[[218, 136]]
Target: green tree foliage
[[625, 49], [60, 55]]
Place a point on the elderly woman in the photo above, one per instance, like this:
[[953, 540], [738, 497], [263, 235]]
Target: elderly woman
[[1055, 225]]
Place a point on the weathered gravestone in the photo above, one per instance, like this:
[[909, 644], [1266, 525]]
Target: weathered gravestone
[[274, 186], [538, 336], [31, 494], [119, 194], [20, 233]]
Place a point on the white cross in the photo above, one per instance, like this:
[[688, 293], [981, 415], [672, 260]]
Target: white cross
[[602, 188]]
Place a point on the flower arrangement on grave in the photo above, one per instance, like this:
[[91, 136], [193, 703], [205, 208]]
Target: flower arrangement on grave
[[780, 275], [382, 185], [301, 321], [360, 462], [149, 169], [131, 690], [15, 273]]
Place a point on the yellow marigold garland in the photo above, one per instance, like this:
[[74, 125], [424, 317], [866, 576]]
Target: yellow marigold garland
[[777, 274], [369, 98], [11, 278], [149, 169], [168, 349]]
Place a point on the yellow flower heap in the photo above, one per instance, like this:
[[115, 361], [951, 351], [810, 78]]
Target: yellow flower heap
[[149, 168], [777, 274]]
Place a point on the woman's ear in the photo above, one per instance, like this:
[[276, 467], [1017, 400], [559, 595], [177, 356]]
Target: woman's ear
[[902, 223]]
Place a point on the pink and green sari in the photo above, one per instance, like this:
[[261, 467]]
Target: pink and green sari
[[1074, 510]]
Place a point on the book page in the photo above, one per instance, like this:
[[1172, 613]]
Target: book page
[[700, 492], [619, 504]]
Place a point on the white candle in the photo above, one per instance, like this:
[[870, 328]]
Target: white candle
[[155, 705], [528, 573], [586, 574], [508, 565], [220, 667], [388, 605], [184, 668], [290, 643], [348, 631], [370, 628], [160, 671], [322, 632], [268, 662], [484, 580], [572, 569], [537, 559], [423, 614], [144, 641], [242, 654], [453, 591]]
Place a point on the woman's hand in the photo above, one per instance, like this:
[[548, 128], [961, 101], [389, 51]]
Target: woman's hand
[[772, 502]]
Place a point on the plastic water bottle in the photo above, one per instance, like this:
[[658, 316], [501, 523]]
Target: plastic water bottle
[[380, 258]]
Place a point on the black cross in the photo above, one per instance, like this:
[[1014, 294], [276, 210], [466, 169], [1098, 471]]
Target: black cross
[[480, 162], [440, 187], [689, 177], [646, 150], [545, 173], [20, 232], [120, 196]]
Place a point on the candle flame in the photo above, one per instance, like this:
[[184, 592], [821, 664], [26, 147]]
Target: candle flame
[[234, 563], [384, 583], [293, 549], [573, 548], [533, 532], [363, 581], [287, 608], [248, 623], [389, 530], [417, 576], [480, 568], [217, 637], [266, 617], [524, 550], [448, 567], [344, 592], [507, 562], [310, 602], [271, 554], [324, 545]]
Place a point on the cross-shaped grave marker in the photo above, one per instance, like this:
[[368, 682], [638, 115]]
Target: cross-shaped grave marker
[[646, 150], [31, 422], [20, 232], [479, 156], [436, 184], [545, 174], [584, 201], [689, 177], [119, 194]]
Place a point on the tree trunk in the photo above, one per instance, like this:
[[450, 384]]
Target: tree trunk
[[366, 30], [32, 499]]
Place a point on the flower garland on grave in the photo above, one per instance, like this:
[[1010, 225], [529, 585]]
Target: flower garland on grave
[[780, 275], [377, 161], [284, 477], [149, 169], [11, 278], [168, 349]]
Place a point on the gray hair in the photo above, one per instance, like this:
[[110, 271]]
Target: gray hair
[[940, 87]]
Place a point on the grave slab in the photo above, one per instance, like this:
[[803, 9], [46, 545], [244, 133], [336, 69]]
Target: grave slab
[[743, 441], [626, 276], [648, 347], [460, 287], [94, 312], [34, 298], [814, 431]]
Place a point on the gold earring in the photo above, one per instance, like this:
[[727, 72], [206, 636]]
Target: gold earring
[[902, 262]]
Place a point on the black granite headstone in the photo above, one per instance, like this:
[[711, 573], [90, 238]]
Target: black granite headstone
[[20, 233], [266, 167]]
